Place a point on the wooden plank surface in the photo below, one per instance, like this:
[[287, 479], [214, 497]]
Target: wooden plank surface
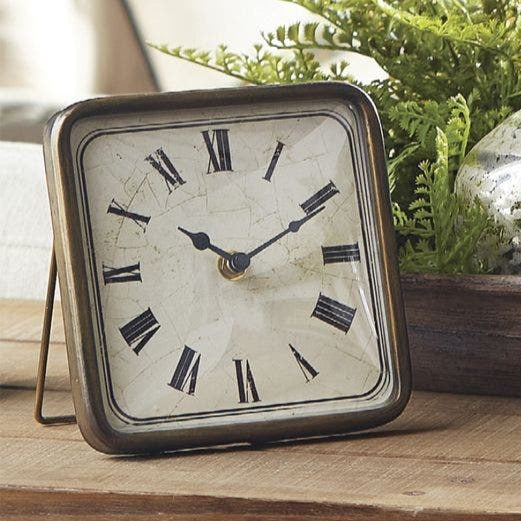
[[447, 457]]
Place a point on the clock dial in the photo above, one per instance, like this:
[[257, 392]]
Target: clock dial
[[233, 265]]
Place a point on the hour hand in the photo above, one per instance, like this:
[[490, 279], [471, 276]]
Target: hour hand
[[201, 241]]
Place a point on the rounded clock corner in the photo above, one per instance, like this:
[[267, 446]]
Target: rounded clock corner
[[58, 127], [398, 399], [347, 92], [100, 435]]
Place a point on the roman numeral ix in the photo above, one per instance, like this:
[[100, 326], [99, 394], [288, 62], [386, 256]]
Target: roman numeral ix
[[334, 313], [125, 274], [341, 253], [274, 160], [117, 209], [318, 199], [220, 161], [245, 382], [161, 162], [186, 371], [307, 369], [140, 330]]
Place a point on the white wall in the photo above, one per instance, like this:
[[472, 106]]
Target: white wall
[[206, 23], [69, 49]]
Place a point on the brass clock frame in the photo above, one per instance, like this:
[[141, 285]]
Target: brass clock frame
[[70, 255]]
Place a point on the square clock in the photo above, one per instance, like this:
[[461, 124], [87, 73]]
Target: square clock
[[227, 266]]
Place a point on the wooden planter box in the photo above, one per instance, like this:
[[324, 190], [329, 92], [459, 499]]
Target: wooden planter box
[[464, 332]]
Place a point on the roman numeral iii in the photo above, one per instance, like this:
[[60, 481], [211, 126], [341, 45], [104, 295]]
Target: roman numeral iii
[[245, 382], [220, 159], [341, 253], [307, 369], [117, 209], [274, 161], [125, 274], [334, 313], [140, 330], [161, 162], [186, 371], [318, 199]]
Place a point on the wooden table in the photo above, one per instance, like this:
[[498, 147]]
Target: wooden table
[[447, 457]]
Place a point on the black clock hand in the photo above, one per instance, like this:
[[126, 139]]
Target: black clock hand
[[240, 261], [201, 241], [293, 227]]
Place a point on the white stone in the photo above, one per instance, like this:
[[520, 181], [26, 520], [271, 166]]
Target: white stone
[[492, 174]]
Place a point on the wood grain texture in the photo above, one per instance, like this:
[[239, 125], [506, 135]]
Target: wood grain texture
[[448, 456], [464, 333], [61, 506], [452, 455]]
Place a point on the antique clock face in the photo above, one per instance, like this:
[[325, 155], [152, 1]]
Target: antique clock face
[[234, 271]]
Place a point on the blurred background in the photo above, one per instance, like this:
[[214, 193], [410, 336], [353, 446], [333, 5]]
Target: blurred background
[[55, 53]]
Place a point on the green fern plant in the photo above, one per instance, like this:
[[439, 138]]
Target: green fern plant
[[453, 73]]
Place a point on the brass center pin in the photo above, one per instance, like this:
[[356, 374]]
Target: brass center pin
[[226, 270]]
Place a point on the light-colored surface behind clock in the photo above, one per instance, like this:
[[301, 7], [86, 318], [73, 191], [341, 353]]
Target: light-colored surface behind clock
[[447, 457], [25, 221]]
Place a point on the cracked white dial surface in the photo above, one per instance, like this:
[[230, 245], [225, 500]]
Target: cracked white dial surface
[[177, 340]]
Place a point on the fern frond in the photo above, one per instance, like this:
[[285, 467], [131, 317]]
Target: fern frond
[[310, 35]]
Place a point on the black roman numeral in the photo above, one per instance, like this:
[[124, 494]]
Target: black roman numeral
[[318, 199], [161, 162], [117, 209], [334, 313], [125, 274], [307, 369], [186, 371], [220, 161], [341, 253], [274, 160], [246, 385], [140, 330]]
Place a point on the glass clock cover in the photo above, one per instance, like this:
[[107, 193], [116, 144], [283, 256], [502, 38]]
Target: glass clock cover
[[233, 272]]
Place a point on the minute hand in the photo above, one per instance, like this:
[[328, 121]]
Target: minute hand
[[294, 227]]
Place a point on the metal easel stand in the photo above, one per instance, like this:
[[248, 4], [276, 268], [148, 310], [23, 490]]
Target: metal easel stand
[[44, 353]]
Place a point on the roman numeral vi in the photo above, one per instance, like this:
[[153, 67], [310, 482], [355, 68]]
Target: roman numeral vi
[[245, 382], [186, 371], [334, 313], [161, 162], [140, 330], [220, 160]]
